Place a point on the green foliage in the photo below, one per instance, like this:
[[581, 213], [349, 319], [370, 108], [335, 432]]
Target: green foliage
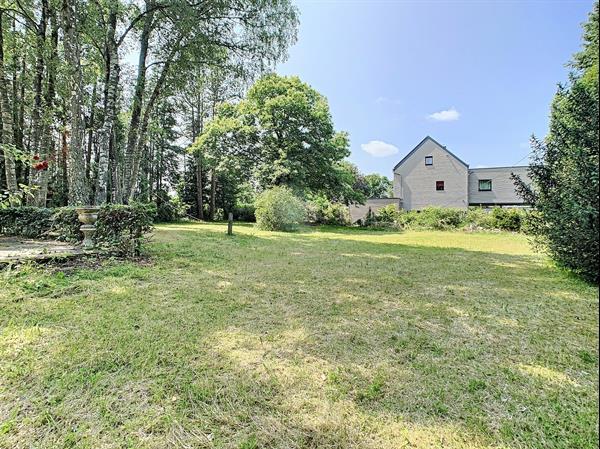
[[278, 209], [65, 224], [388, 214], [564, 169], [507, 219], [170, 209], [322, 211], [25, 221], [379, 186], [244, 212], [440, 218], [281, 133], [479, 218], [122, 229]]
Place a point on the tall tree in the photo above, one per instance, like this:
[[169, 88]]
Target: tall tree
[[7, 121], [564, 168], [78, 188]]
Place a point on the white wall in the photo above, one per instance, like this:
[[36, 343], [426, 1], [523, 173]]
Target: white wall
[[414, 182], [503, 188]]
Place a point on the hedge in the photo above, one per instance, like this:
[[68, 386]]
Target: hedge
[[442, 218], [120, 229]]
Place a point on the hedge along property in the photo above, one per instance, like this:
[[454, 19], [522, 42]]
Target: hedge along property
[[120, 229], [431, 175]]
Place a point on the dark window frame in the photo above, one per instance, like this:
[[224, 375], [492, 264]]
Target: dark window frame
[[439, 184], [484, 180], [430, 158]]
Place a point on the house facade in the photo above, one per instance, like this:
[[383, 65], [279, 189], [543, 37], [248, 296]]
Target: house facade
[[431, 175]]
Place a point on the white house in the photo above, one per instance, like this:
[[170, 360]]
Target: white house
[[431, 175]]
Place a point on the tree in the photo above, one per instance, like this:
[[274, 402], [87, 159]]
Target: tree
[[67, 103], [564, 169], [379, 186]]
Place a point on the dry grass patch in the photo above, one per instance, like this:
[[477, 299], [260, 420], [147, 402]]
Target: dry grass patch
[[324, 338]]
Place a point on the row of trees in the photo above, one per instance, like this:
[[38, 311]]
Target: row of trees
[[97, 96], [100, 99]]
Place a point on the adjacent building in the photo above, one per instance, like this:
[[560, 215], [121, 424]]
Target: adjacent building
[[431, 175]]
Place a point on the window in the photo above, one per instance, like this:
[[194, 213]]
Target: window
[[439, 185], [485, 185], [428, 160]]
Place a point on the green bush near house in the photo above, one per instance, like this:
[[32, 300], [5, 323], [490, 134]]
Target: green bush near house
[[437, 218], [278, 209], [442, 218], [322, 211]]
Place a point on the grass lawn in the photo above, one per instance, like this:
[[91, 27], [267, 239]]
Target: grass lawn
[[325, 338]]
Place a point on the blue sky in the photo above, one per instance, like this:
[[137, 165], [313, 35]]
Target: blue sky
[[477, 76]]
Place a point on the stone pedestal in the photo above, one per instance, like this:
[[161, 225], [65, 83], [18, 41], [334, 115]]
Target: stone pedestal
[[88, 216]]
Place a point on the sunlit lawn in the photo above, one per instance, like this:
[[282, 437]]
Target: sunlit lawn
[[322, 338]]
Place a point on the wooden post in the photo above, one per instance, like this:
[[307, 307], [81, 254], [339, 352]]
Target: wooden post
[[230, 224]]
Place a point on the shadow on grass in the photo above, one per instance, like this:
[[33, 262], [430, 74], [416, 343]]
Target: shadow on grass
[[287, 340]]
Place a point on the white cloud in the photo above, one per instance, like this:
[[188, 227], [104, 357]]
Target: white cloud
[[449, 115], [378, 148]]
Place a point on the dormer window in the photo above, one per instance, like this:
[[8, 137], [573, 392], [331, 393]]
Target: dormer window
[[428, 160]]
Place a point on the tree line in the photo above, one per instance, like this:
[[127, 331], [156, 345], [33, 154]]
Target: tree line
[[95, 96]]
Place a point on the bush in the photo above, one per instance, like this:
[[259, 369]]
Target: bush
[[439, 218], [507, 219], [388, 214], [278, 209], [172, 209], [244, 212], [25, 221], [120, 229], [479, 218], [65, 225], [322, 211]]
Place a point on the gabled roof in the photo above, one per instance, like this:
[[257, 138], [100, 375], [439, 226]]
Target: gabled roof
[[438, 144]]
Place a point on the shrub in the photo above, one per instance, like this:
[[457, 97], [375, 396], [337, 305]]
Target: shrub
[[25, 221], [65, 225], [171, 209], [244, 212], [439, 218], [278, 209], [322, 211], [122, 229], [388, 214], [479, 218], [507, 219]]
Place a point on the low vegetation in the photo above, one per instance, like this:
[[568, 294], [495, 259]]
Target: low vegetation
[[443, 218], [120, 229], [324, 338]]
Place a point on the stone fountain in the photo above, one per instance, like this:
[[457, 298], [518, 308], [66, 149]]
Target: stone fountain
[[87, 216]]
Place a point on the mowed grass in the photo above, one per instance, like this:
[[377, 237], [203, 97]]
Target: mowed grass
[[325, 338]]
